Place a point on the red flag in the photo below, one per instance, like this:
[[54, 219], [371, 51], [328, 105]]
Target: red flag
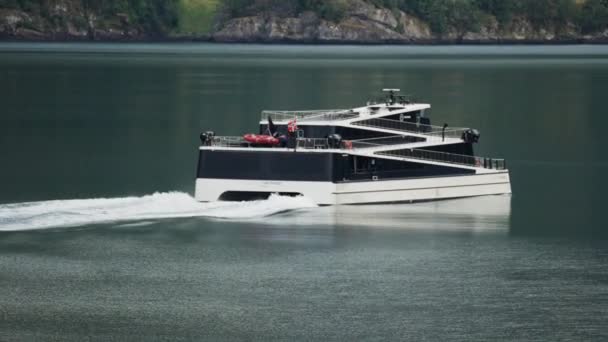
[[292, 125]]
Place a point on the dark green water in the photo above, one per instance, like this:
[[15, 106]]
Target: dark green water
[[79, 122]]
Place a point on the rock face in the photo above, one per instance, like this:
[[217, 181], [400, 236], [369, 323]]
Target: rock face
[[414, 28], [362, 23], [66, 20]]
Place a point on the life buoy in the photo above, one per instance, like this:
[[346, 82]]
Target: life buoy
[[347, 144]]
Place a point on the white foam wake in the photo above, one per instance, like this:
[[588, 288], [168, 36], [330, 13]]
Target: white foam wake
[[69, 213]]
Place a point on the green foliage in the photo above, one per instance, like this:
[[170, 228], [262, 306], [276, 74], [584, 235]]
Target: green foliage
[[503, 11], [196, 16], [31, 5], [153, 16], [333, 10], [468, 15], [237, 8], [594, 16], [442, 15]]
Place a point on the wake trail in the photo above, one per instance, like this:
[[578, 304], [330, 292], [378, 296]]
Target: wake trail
[[77, 212]]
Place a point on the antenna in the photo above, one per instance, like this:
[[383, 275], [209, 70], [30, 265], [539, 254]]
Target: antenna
[[391, 94]]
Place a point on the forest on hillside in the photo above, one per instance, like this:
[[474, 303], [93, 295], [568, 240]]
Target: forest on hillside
[[174, 17], [154, 16]]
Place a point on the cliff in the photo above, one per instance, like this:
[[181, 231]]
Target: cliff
[[359, 22], [108, 20], [364, 23]]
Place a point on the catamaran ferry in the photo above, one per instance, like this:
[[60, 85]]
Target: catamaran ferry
[[384, 152]]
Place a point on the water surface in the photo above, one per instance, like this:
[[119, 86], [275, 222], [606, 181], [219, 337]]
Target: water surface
[[80, 122]]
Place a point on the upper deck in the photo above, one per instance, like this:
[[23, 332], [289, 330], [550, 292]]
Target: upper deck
[[394, 128], [337, 116], [393, 115], [370, 122], [388, 106]]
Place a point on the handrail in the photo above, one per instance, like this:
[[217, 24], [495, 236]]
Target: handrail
[[410, 127], [312, 143], [228, 141], [323, 143], [402, 139], [234, 141], [487, 163], [309, 115], [384, 141]]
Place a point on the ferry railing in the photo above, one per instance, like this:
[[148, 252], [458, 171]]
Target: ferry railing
[[452, 133], [227, 141], [404, 139], [314, 115], [383, 141], [451, 158], [411, 127], [323, 143], [316, 143], [301, 143], [312, 143]]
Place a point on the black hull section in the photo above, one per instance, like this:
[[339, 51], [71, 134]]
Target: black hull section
[[312, 166], [266, 165]]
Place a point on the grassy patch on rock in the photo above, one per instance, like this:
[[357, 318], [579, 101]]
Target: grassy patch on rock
[[197, 16]]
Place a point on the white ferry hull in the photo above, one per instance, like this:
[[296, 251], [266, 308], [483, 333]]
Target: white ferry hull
[[365, 192]]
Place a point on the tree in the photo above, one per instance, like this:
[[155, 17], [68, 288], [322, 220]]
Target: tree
[[594, 16]]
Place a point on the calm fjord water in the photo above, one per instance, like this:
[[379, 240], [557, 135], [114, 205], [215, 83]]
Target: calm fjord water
[[83, 121]]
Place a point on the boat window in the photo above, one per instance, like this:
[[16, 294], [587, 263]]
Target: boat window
[[239, 196]]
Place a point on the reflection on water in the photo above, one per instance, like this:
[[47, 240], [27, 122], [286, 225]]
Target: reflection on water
[[443, 271], [480, 214]]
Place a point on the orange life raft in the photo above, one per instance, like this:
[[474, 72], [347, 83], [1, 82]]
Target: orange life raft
[[261, 139]]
